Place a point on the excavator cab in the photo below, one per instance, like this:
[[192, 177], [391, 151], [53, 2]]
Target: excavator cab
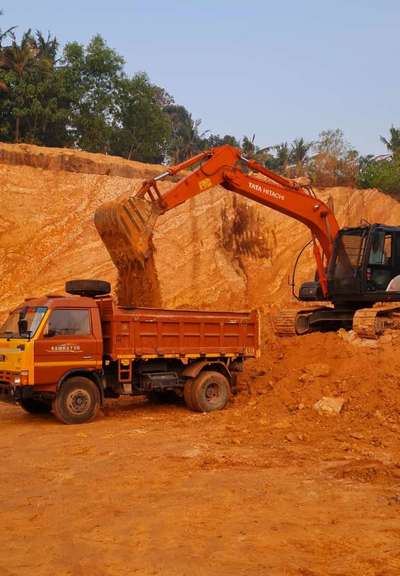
[[364, 265]]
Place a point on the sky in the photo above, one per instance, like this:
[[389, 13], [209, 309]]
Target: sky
[[279, 70]]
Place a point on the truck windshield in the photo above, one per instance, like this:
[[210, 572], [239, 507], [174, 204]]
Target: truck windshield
[[23, 323]]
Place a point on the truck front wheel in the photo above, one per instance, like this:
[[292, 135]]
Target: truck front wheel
[[77, 401], [210, 391]]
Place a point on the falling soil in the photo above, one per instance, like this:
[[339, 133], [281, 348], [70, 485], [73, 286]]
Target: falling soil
[[137, 284], [267, 487]]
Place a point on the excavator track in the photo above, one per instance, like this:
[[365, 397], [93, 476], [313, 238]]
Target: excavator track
[[294, 321], [371, 322]]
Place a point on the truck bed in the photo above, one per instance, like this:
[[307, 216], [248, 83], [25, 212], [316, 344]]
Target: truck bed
[[155, 332]]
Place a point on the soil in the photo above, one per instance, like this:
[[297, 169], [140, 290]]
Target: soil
[[266, 487]]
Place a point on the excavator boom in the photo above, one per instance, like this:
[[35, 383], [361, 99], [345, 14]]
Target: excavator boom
[[126, 226]]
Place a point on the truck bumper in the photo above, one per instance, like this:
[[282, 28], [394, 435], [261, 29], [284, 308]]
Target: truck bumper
[[13, 394]]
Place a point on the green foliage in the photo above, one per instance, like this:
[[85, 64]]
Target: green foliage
[[82, 97], [383, 174], [142, 128], [92, 75], [393, 142]]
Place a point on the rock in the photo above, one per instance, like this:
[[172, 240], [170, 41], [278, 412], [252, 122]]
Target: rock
[[306, 378], [357, 435], [318, 369], [291, 437], [329, 405], [352, 338]]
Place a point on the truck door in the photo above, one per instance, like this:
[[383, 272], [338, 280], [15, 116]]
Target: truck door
[[67, 341]]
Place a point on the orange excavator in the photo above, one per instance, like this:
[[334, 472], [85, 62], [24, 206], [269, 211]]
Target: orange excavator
[[356, 280]]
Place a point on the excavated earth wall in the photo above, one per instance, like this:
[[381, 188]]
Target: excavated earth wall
[[216, 250]]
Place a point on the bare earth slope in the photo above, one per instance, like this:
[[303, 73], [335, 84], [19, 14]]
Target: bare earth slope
[[267, 487], [216, 250]]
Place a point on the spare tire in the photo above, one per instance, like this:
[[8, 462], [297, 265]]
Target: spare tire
[[88, 287]]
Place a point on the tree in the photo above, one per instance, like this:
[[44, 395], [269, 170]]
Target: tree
[[214, 140], [393, 142], [92, 76], [15, 60], [185, 139], [254, 152], [334, 163], [299, 155], [142, 128]]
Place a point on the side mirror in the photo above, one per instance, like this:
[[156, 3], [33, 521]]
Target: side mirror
[[22, 326]]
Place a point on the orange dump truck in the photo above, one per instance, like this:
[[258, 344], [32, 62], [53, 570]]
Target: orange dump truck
[[68, 353]]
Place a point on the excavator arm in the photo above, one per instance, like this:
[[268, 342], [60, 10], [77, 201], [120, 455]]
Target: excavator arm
[[126, 226]]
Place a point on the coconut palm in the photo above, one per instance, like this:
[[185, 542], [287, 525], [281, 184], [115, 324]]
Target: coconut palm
[[298, 154], [393, 142], [282, 154], [17, 58]]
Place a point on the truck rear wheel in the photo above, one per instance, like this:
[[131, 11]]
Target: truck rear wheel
[[210, 391], [33, 406], [77, 401], [187, 393]]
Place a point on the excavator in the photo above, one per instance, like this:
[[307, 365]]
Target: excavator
[[355, 283]]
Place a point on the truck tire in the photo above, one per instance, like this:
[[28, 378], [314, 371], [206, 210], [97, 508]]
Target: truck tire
[[77, 401], [211, 391], [88, 287], [35, 406], [187, 393]]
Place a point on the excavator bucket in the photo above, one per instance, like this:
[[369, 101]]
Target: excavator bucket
[[126, 228]]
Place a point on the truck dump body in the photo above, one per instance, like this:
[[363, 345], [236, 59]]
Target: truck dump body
[[151, 333]]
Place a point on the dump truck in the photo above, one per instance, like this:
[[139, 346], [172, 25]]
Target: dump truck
[[68, 353]]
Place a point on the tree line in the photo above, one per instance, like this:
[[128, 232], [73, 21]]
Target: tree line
[[80, 96]]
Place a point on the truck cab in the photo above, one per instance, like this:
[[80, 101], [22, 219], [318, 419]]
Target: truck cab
[[45, 341]]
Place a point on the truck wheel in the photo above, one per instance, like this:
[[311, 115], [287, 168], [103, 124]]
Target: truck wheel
[[77, 401], [211, 391], [36, 406], [187, 393]]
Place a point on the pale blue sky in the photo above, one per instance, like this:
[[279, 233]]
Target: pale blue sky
[[280, 70]]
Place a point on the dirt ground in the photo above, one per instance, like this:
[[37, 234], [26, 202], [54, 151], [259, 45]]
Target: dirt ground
[[266, 487]]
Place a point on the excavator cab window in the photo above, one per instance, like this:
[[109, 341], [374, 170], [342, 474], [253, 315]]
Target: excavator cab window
[[345, 272], [383, 259]]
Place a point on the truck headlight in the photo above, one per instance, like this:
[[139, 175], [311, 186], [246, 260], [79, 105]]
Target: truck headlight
[[22, 379]]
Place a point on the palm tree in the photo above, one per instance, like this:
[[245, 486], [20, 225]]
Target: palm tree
[[282, 156], [7, 33], [393, 142], [17, 58], [298, 154]]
